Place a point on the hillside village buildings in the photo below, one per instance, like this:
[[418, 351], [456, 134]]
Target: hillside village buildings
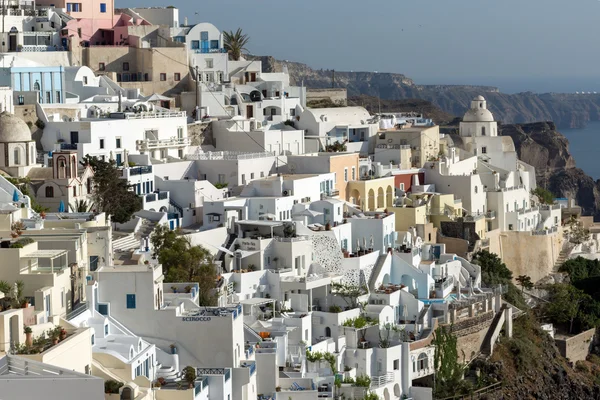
[[292, 203]]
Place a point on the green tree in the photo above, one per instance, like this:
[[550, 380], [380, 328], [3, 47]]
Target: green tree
[[580, 268], [348, 293], [235, 43], [525, 282], [493, 270], [81, 206], [544, 195], [565, 305], [112, 194], [448, 370], [183, 262]]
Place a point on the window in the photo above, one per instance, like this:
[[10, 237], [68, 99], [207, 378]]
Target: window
[[475, 189], [48, 97], [163, 77], [177, 76], [209, 63], [402, 186], [214, 44], [396, 365], [353, 173], [102, 7], [118, 144], [131, 301], [262, 174], [483, 150], [180, 153], [483, 131], [101, 143], [79, 32], [62, 297], [220, 77], [17, 157], [345, 174], [57, 96], [106, 329], [118, 77], [252, 175], [195, 44], [292, 112], [75, 191], [93, 341], [49, 191], [243, 179], [125, 66]]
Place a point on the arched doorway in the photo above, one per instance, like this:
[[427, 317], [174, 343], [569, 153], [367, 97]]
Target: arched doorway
[[328, 332], [14, 330], [422, 362], [397, 390], [127, 393], [12, 39], [380, 198], [389, 196], [355, 197], [371, 200], [386, 394]]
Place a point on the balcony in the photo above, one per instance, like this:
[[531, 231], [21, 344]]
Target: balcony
[[68, 146], [146, 145], [226, 372], [490, 215], [135, 171], [420, 373], [209, 51], [473, 217], [250, 365], [152, 197]]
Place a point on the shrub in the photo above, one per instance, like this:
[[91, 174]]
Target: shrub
[[112, 386], [335, 309], [221, 185], [40, 124]]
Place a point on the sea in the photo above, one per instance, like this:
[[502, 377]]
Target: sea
[[582, 145]]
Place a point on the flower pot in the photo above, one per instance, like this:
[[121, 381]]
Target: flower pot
[[55, 341], [63, 334], [29, 339]]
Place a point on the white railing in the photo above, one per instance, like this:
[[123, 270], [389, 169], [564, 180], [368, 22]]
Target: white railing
[[155, 144], [229, 155], [378, 381], [550, 231], [422, 372], [153, 115], [291, 239]]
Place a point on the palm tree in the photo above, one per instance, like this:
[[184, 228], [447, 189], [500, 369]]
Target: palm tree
[[81, 206], [235, 43]]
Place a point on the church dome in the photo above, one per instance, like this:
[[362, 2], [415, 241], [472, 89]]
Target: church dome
[[478, 115], [13, 129]]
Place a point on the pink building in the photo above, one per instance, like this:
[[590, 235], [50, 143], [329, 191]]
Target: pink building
[[94, 19]]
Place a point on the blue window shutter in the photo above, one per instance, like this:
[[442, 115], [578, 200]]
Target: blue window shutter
[[131, 301], [204, 35], [102, 7]]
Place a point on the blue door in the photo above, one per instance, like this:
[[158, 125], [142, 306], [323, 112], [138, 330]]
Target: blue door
[[171, 225], [118, 159], [48, 306]]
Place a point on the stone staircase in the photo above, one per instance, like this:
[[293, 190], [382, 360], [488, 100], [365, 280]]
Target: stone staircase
[[562, 256], [486, 348], [126, 243], [376, 271]]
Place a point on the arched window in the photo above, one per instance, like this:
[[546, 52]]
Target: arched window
[[17, 157], [36, 85], [49, 191], [483, 131], [480, 105]]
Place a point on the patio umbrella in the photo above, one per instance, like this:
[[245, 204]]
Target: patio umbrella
[[61, 207], [15, 196]]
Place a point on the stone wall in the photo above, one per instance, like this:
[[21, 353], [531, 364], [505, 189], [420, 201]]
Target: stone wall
[[515, 250], [335, 95], [460, 230], [469, 345], [200, 133], [576, 348], [456, 246]]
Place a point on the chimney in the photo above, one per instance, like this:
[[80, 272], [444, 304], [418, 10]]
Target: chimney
[[185, 21]]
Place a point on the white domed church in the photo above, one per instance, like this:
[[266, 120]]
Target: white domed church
[[478, 120], [17, 148]]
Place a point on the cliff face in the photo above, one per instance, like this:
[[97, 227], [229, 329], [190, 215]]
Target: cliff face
[[541, 145], [566, 110]]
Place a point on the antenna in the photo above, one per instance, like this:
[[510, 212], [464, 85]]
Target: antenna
[[333, 79]]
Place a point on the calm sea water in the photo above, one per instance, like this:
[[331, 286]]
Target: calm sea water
[[583, 144]]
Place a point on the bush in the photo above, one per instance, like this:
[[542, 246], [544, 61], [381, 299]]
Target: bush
[[40, 124], [544, 195], [220, 185], [335, 309], [19, 244], [112, 386]]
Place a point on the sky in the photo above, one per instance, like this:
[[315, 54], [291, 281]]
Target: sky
[[521, 43]]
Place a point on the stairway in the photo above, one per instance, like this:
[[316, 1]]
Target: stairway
[[422, 314], [562, 257], [126, 243], [230, 239], [376, 271], [486, 345], [146, 229]]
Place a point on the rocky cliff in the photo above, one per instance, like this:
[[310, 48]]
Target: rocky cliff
[[541, 145], [566, 110]]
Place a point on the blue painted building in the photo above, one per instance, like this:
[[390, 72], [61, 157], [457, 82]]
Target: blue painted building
[[49, 82]]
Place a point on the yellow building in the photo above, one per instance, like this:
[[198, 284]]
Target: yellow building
[[419, 143], [372, 194]]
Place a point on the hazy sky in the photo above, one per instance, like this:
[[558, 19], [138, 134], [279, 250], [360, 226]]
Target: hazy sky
[[431, 41]]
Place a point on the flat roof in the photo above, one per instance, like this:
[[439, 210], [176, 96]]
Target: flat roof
[[291, 177], [256, 301], [261, 223], [46, 254]]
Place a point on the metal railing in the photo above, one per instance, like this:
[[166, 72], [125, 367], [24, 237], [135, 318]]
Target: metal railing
[[490, 214], [382, 380], [153, 115], [68, 146], [145, 169], [156, 144], [543, 232], [78, 310], [209, 51], [230, 155], [299, 238]]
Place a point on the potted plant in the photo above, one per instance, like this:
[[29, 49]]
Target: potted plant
[[174, 289], [62, 333], [188, 289], [189, 375], [43, 214], [278, 389], [173, 348], [54, 335], [161, 381], [28, 336], [328, 226]]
